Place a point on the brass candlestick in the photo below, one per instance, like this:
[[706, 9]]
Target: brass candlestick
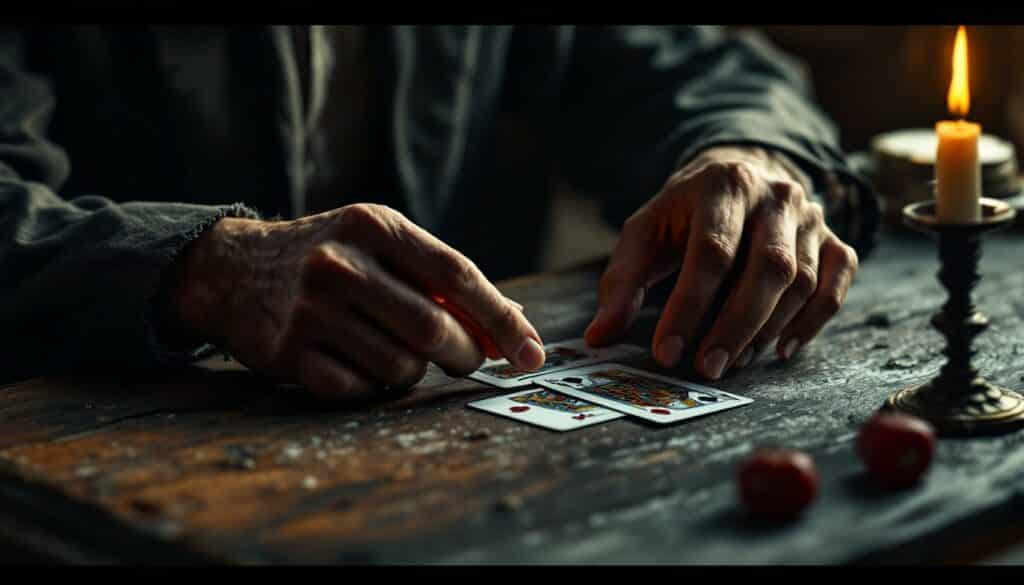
[[959, 401]]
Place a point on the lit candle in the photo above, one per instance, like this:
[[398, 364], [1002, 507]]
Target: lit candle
[[957, 168]]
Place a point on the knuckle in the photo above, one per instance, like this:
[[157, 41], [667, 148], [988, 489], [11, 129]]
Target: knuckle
[[831, 303], [731, 174], [367, 219], [815, 215], [318, 259], [384, 212], [779, 263], [336, 262], [850, 258], [463, 271], [842, 254], [786, 192], [433, 333], [391, 217], [716, 252], [357, 213], [805, 282]]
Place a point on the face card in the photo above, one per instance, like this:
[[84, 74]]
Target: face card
[[558, 356], [653, 397], [551, 410]]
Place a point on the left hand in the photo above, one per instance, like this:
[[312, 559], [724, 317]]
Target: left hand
[[732, 211]]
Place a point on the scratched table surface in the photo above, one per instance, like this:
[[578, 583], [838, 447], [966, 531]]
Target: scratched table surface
[[213, 464]]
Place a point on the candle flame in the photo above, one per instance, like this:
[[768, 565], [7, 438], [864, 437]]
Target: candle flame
[[959, 98]]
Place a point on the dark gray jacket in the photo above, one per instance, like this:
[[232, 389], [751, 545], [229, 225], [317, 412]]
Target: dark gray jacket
[[105, 173]]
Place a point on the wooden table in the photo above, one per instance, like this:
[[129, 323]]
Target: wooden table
[[214, 464]]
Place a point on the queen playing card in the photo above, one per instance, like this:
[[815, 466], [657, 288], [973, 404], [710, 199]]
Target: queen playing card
[[558, 356], [653, 397], [548, 409]]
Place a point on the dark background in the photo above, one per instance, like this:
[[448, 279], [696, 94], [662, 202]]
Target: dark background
[[869, 79]]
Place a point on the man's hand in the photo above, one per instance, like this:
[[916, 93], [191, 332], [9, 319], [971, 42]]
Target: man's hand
[[736, 212], [341, 301]]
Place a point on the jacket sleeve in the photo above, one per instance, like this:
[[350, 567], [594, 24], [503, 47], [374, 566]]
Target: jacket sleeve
[[78, 276], [638, 102]]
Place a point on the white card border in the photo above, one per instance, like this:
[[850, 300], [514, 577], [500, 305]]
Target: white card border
[[639, 412], [504, 401], [618, 352]]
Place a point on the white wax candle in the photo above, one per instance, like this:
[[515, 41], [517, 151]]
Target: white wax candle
[[957, 172]]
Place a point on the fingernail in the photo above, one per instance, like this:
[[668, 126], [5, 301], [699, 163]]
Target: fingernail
[[715, 362], [530, 355], [745, 358], [790, 348], [669, 351]]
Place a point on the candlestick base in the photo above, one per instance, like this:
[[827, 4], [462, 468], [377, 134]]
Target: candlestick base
[[980, 409], [959, 401]]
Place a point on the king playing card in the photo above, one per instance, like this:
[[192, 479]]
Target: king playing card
[[653, 397], [547, 409], [558, 356]]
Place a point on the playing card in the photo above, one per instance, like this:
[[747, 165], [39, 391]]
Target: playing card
[[559, 356], [551, 410], [653, 397]]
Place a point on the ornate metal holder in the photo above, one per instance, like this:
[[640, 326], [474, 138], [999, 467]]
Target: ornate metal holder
[[959, 401]]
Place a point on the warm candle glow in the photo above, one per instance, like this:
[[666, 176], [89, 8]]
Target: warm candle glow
[[957, 165], [959, 98]]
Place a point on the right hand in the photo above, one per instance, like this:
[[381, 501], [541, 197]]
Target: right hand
[[340, 301]]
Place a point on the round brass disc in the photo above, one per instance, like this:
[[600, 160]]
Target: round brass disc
[[988, 410], [994, 215]]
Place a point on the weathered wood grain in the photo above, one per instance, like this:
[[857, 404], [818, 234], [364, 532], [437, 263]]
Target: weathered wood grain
[[215, 463]]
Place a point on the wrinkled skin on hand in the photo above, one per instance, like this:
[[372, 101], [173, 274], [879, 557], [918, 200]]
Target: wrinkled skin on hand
[[340, 302], [736, 222]]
